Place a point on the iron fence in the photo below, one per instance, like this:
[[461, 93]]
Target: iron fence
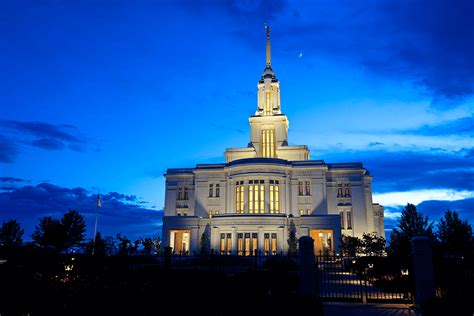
[[346, 279]]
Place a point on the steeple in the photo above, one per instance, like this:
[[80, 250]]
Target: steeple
[[269, 51], [268, 86], [268, 126]]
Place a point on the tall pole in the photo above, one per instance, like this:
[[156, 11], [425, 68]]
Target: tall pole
[[96, 219], [98, 205]]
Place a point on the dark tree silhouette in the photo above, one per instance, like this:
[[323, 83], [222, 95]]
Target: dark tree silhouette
[[11, 233], [124, 245], [351, 246], [454, 234], [147, 244], [411, 224], [74, 227], [373, 245], [292, 240], [50, 233], [60, 235], [205, 242], [97, 247]]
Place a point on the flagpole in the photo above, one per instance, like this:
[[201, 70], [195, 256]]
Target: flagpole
[[98, 205]]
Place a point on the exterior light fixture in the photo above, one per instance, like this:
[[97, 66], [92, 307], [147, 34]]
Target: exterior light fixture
[[370, 265], [404, 271]]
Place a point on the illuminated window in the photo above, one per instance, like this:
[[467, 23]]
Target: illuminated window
[[308, 212], [239, 197], [226, 244], [341, 214], [254, 244], [274, 196], [229, 243], [218, 190], [268, 106], [223, 244], [247, 243], [179, 240], [347, 189], [186, 196], [266, 244], [300, 188], [240, 244], [308, 187], [349, 219], [268, 143], [301, 212], [185, 213], [274, 243], [256, 196], [339, 190], [211, 190]]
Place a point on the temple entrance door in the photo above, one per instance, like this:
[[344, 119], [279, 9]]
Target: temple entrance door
[[323, 241], [179, 240]]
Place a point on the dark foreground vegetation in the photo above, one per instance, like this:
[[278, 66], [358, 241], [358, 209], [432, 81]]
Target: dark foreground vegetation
[[35, 283]]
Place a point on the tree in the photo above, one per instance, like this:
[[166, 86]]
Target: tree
[[411, 224], [96, 247], [454, 234], [204, 241], [157, 244], [147, 244], [74, 227], [124, 245], [11, 233], [50, 233], [292, 240], [373, 245], [60, 235], [351, 246]]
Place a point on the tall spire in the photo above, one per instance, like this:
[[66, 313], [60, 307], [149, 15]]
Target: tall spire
[[269, 53]]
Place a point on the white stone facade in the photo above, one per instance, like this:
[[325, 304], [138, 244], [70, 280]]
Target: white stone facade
[[266, 190]]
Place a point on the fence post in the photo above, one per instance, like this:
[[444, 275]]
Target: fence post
[[308, 285], [167, 258], [423, 270]]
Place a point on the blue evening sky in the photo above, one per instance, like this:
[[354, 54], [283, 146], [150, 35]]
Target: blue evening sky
[[105, 95]]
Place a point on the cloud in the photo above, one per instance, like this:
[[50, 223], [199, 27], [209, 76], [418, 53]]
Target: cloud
[[434, 209], [59, 132], [428, 43], [42, 135], [11, 179], [417, 196], [119, 212], [375, 144], [8, 150], [462, 127], [404, 170]]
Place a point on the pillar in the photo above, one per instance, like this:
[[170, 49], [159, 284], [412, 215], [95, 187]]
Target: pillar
[[308, 286], [423, 270]]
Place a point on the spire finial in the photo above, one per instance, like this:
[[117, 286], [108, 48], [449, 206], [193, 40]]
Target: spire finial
[[268, 55]]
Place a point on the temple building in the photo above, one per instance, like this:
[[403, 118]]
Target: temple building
[[267, 191]]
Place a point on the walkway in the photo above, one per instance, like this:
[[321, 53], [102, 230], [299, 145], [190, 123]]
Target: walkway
[[355, 309]]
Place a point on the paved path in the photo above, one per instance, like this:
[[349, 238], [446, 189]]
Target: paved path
[[354, 309]]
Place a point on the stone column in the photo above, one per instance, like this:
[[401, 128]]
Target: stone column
[[280, 240], [195, 242], [234, 241], [260, 240], [423, 270], [308, 286]]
